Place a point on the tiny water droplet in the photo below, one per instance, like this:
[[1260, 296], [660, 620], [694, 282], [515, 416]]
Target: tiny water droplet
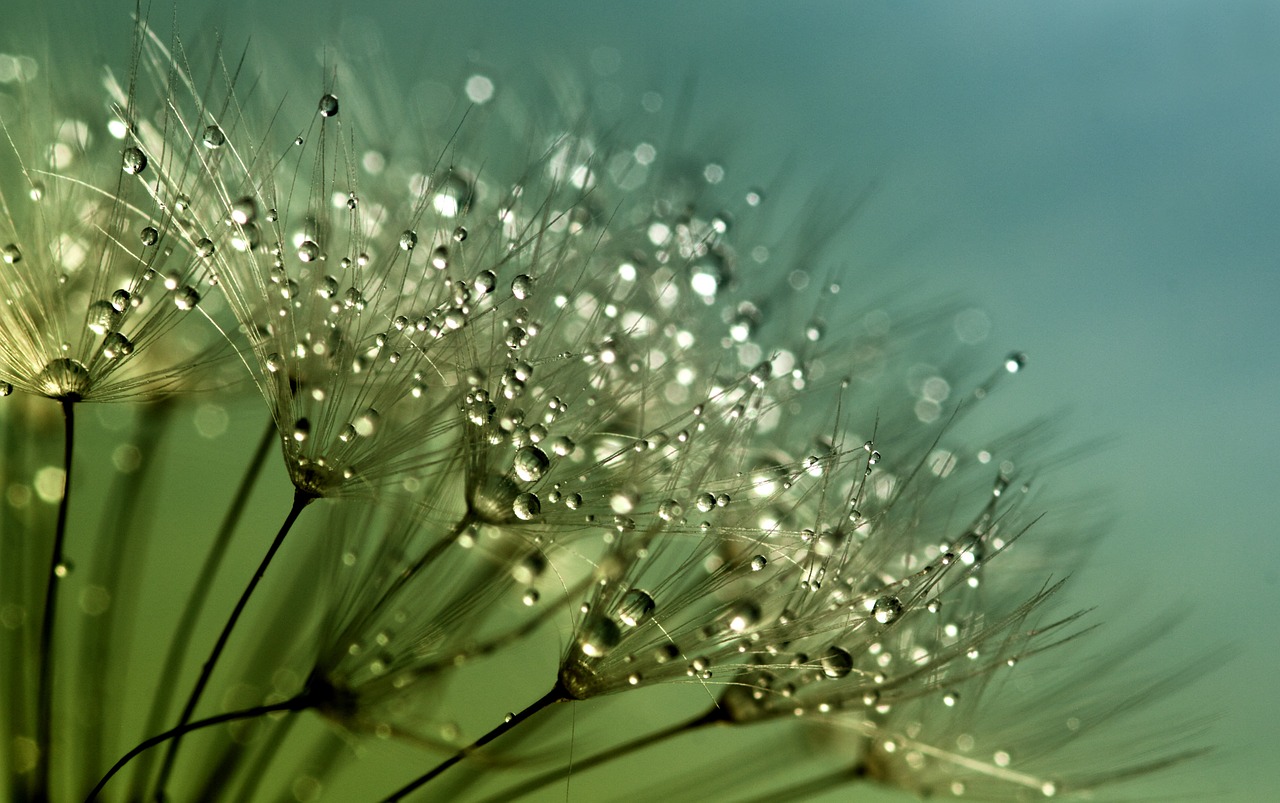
[[758, 563], [1015, 362], [308, 251], [522, 287], [149, 235], [11, 254], [599, 636], [837, 662], [408, 240], [116, 346], [329, 106]]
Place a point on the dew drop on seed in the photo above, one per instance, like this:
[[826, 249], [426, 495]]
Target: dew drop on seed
[[706, 502], [531, 463], [116, 346], [408, 240], [670, 510], [530, 598], [439, 257], [1015, 362], [743, 616], [460, 234], [135, 161], [214, 137], [11, 254], [275, 362], [836, 663], [62, 569], [526, 506], [522, 287], [886, 609], [103, 317], [308, 251], [186, 298], [329, 106], [486, 281], [244, 211], [599, 636], [562, 446], [149, 236], [516, 338], [758, 563], [301, 430], [366, 423], [204, 248], [635, 607]]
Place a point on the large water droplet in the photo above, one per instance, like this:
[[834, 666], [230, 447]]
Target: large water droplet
[[408, 240], [11, 254], [599, 636], [635, 607], [135, 161], [531, 463], [103, 317], [329, 106], [149, 235], [213, 137], [526, 506], [522, 287], [116, 345], [308, 251], [887, 609], [670, 510], [836, 663]]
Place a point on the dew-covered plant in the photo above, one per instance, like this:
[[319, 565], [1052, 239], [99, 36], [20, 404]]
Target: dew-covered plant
[[583, 425]]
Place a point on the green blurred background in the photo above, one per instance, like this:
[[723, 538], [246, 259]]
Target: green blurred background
[[1102, 177]]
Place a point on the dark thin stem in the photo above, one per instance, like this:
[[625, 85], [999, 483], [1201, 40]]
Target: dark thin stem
[[713, 716], [299, 703], [300, 502], [556, 695], [44, 703], [176, 654]]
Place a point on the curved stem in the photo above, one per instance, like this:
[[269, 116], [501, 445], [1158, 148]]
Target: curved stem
[[713, 716], [300, 502], [556, 695], [44, 699], [179, 646], [299, 703]]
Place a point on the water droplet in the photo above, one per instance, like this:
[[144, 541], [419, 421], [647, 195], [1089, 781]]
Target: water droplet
[[149, 235], [743, 616], [486, 281], [408, 240], [214, 137], [135, 161], [116, 345], [599, 636], [758, 563], [308, 251], [670, 510], [1015, 362], [530, 597], [366, 423], [62, 569], [522, 287], [11, 254], [186, 298], [886, 609], [329, 106], [244, 211], [517, 338], [204, 248], [531, 463], [301, 430], [439, 257], [5, 388], [706, 502], [949, 699], [836, 663], [103, 317], [635, 607], [526, 506]]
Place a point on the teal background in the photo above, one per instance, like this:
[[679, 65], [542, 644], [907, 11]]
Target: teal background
[[1102, 177]]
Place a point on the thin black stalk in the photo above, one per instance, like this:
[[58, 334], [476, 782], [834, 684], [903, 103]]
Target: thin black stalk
[[298, 703], [57, 569], [180, 644], [556, 695], [300, 502], [713, 716]]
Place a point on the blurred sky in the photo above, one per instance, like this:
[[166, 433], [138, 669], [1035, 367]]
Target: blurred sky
[[1103, 177]]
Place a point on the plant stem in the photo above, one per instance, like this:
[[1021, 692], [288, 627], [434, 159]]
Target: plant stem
[[44, 699], [556, 695], [176, 654], [298, 703], [300, 502], [713, 716]]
